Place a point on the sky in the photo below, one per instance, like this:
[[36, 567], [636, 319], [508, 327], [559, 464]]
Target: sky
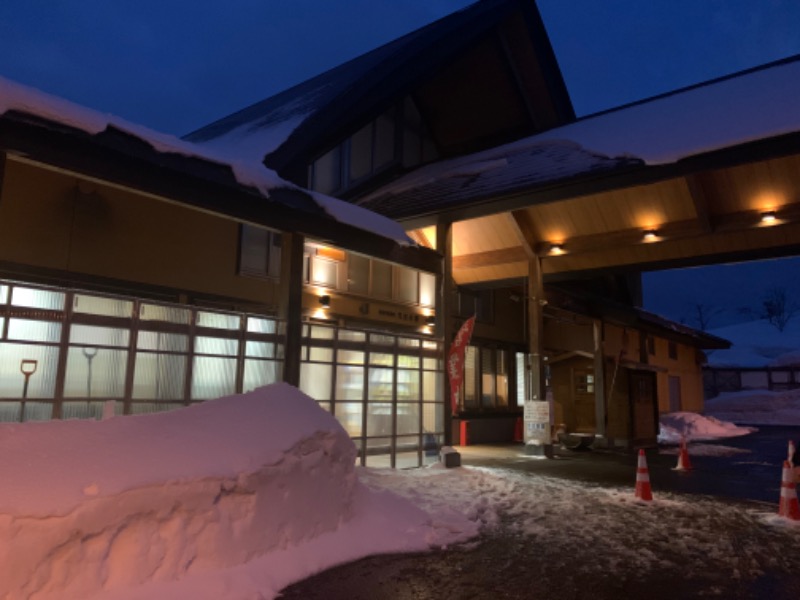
[[169, 511], [155, 63]]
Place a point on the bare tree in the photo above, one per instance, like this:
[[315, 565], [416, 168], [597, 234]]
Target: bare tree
[[702, 313], [777, 307]]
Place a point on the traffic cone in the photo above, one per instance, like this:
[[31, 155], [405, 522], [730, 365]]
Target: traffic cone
[[790, 455], [788, 506], [684, 464], [643, 491], [518, 431]]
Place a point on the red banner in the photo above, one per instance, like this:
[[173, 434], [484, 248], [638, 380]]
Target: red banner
[[455, 360]]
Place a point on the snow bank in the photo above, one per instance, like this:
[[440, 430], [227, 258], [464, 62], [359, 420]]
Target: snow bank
[[757, 407], [692, 426], [100, 505]]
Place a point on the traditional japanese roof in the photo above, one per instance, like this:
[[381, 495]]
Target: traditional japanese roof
[[321, 109], [658, 136], [50, 131]]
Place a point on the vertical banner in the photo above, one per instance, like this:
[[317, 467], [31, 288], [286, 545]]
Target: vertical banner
[[455, 360]]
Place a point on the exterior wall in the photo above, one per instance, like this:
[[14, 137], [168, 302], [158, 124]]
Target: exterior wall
[[686, 367], [55, 222]]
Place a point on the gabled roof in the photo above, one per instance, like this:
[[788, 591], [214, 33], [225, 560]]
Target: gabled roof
[[286, 125], [658, 133], [51, 131]]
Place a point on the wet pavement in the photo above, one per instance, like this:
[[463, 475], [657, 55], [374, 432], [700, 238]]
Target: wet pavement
[[508, 563]]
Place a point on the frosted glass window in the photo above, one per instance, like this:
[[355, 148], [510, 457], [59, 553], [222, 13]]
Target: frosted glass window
[[487, 377], [2, 327], [381, 340], [258, 373], [350, 415], [146, 408], [95, 373], [159, 376], [99, 336], [321, 333], [358, 274], [3, 295], [430, 364], [260, 349], [408, 362], [407, 418], [407, 342], [381, 358], [407, 385], [170, 314], [316, 380], [86, 410], [381, 279], [433, 417], [353, 357], [97, 305], [379, 419], [37, 411], [427, 289], [431, 386], [430, 345], [41, 382], [257, 246], [218, 320], [407, 285], [384, 139], [326, 175], [349, 383], [352, 336], [407, 459], [324, 272], [163, 342], [320, 354], [361, 153], [501, 380], [521, 378], [257, 325], [381, 384], [213, 377], [34, 331], [10, 412], [470, 377], [214, 345], [33, 298]]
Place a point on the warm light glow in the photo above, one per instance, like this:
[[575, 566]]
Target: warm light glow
[[651, 235], [557, 249], [325, 301], [320, 313], [768, 217]]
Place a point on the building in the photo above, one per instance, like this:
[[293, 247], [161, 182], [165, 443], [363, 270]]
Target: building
[[463, 131]]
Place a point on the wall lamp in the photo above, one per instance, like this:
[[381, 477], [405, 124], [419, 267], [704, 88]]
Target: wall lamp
[[430, 320], [325, 301], [650, 235], [768, 217], [557, 249]]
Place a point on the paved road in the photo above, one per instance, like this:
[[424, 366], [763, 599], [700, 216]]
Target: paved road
[[507, 564]]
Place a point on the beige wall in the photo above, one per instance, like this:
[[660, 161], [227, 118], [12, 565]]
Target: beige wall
[[686, 368], [54, 221]]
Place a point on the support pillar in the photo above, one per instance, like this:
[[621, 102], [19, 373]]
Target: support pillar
[[443, 329], [600, 409], [291, 304]]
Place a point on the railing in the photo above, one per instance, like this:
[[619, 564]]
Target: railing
[[717, 380]]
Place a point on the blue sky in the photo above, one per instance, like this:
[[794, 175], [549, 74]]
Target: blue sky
[[174, 65]]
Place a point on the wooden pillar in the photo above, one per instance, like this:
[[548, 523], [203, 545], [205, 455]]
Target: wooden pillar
[[290, 305], [443, 329], [599, 381]]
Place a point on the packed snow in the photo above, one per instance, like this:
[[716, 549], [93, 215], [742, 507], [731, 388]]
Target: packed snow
[[239, 497]]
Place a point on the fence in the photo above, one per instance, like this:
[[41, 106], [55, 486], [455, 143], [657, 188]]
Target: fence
[[717, 380]]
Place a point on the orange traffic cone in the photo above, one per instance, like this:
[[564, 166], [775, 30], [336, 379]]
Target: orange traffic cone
[[790, 456], [683, 458], [643, 491], [788, 506]]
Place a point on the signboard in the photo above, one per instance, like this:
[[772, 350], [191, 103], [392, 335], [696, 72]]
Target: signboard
[[537, 422]]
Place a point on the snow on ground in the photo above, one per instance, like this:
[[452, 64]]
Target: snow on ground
[[692, 426], [237, 498], [757, 407]]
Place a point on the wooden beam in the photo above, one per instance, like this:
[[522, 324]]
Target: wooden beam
[[520, 223], [490, 258], [700, 201]]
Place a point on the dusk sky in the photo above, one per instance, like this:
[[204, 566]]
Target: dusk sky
[[174, 65]]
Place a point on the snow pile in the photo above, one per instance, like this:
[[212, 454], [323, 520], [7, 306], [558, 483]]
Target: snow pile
[[692, 426], [234, 498], [758, 344], [757, 407]]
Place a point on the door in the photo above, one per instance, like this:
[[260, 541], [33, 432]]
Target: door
[[644, 408], [583, 399], [674, 393]]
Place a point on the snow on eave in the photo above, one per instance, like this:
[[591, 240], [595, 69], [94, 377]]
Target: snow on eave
[[745, 107], [248, 172]]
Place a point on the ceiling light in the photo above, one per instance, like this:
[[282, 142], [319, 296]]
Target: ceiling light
[[650, 235], [557, 249], [768, 217]]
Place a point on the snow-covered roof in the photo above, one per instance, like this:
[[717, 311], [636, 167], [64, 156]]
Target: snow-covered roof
[[249, 173], [753, 105]]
